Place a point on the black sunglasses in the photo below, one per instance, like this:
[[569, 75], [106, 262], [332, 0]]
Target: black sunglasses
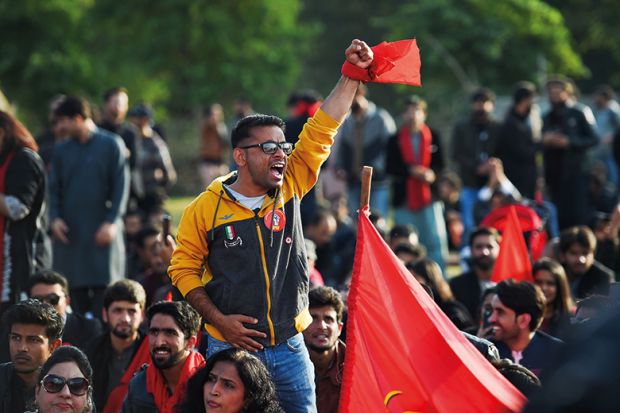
[[51, 299], [271, 147], [78, 386]]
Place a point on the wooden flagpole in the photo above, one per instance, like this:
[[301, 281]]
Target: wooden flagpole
[[366, 184]]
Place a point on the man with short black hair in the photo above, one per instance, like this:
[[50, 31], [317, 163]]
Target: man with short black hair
[[34, 330], [114, 113], [362, 140], [326, 350], [568, 135], [473, 143], [414, 159], [576, 253], [245, 230], [52, 288], [518, 309], [138, 259], [519, 140], [468, 287], [119, 352], [88, 193], [173, 326]]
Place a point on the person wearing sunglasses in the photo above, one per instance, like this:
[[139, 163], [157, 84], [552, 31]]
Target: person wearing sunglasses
[[64, 383], [34, 329], [245, 230], [52, 288]]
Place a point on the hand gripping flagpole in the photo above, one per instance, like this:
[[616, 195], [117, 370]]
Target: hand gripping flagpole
[[366, 184]]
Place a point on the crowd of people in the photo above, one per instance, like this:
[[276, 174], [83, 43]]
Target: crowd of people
[[245, 308]]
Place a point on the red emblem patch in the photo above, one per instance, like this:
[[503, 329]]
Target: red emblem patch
[[279, 220]]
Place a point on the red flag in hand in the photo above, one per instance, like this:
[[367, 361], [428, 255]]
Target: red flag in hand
[[403, 353], [513, 260], [395, 62]]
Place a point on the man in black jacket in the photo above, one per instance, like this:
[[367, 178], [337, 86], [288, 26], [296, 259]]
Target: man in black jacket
[[173, 326], [112, 353], [52, 288], [586, 275], [473, 143], [568, 134], [34, 333], [468, 287], [115, 107], [519, 140]]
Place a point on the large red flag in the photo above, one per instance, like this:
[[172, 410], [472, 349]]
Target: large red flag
[[513, 260], [403, 354]]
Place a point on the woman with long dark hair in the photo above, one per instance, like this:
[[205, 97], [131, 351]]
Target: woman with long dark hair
[[232, 381], [22, 194], [550, 276]]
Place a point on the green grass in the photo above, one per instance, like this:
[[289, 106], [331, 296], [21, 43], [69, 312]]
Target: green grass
[[175, 206]]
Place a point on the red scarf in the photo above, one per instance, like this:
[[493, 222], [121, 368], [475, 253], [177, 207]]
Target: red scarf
[[117, 395], [4, 272], [156, 384], [418, 191]]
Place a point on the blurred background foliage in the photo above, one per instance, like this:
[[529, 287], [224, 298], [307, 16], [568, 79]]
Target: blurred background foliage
[[181, 55]]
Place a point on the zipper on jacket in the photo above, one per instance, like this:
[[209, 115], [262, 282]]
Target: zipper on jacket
[[272, 332]]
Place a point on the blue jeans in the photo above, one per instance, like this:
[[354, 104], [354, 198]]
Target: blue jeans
[[467, 201], [290, 368], [431, 227]]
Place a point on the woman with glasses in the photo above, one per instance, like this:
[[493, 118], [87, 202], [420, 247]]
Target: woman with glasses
[[64, 383]]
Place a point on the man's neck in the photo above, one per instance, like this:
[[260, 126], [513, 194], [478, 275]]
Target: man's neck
[[116, 122], [322, 360], [483, 275], [121, 344], [414, 127], [85, 132], [520, 342], [246, 187], [172, 374], [29, 378]]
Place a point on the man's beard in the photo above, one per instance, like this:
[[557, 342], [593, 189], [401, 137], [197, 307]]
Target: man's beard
[[480, 116], [125, 333], [558, 106], [482, 263], [171, 361], [320, 349]]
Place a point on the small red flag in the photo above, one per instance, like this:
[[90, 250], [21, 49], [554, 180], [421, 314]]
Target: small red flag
[[395, 62], [513, 260], [403, 353]]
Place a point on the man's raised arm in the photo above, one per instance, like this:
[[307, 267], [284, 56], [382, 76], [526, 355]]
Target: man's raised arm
[[339, 100]]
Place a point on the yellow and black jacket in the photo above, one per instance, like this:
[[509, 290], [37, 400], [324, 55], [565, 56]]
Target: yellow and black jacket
[[254, 263]]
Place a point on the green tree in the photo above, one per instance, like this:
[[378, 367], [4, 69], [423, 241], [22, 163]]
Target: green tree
[[41, 51], [594, 28], [179, 53], [191, 52], [467, 43]]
